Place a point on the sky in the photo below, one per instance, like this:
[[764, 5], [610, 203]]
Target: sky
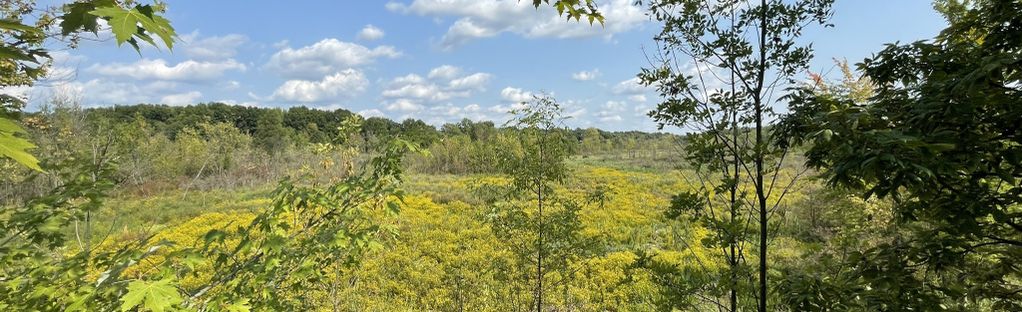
[[435, 60]]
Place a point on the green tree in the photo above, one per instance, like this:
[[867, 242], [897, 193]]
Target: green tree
[[719, 64], [270, 134], [545, 232], [940, 138]]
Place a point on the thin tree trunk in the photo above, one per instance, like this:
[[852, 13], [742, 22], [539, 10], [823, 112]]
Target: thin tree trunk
[[760, 194], [539, 262]]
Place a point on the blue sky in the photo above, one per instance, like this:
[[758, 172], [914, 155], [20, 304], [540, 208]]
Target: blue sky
[[436, 60]]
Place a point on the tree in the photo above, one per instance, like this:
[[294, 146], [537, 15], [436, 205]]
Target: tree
[[941, 138], [717, 68], [418, 131], [545, 232], [270, 134]]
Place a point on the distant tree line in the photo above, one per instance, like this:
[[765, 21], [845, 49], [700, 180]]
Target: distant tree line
[[270, 127]]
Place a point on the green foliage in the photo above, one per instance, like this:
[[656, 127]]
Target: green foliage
[[717, 67], [576, 9], [545, 234], [16, 147], [153, 296], [128, 23], [939, 137], [24, 57], [270, 133], [305, 229]]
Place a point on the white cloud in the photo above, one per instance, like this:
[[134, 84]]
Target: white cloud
[[640, 98], [98, 92], [471, 82], [231, 85], [367, 113], [487, 18], [325, 57], [370, 33], [586, 75], [444, 72], [515, 95], [428, 98], [445, 113], [631, 86], [158, 69], [611, 111], [429, 92], [64, 68], [443, 83], [343, 84], [181, 99], [215, 47], [404, 105]]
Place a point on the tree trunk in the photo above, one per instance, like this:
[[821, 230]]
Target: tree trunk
[[760, 193]]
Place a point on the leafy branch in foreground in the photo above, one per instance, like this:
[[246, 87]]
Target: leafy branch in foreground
[[941, 139], [25, 59], [287, 248], [576, 9]]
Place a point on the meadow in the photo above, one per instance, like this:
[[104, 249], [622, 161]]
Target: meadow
[[887, 185]]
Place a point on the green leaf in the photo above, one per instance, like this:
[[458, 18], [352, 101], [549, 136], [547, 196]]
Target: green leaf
[[78, 16], [123, 24], [156, 24], [153, 296], [239, 306], [17, 25], [16, 147], [7, 52]]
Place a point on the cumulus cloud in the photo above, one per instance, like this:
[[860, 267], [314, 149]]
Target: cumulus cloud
[[343, 84], [631, 86], [370, 33], [452, 113], [471, 82], [441, 84], [487, 18], [515, 95], [158, 69], [428, 97], [325, 57], [421, 91], [404, 105], [181, 99], [444, 72], [215, 47], [586, 75], [611, 111]]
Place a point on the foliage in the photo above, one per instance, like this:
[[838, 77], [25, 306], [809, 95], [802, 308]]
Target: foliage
[[15, 147], [532, 235], [940, 138], [24, 57], [576, 9], [717, 67]]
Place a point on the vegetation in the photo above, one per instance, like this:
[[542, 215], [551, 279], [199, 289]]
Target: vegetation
[[741, 53], [893, 188]]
